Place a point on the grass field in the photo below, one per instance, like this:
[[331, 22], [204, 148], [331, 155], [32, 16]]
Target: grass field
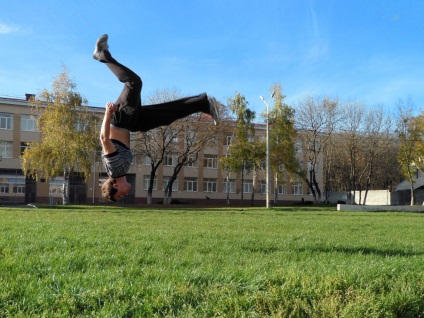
[[282, 262]]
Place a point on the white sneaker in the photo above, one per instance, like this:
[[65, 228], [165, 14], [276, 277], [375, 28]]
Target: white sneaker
[[101, 44], [213, 110]]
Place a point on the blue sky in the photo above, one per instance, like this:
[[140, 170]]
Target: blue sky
[[371, 51]]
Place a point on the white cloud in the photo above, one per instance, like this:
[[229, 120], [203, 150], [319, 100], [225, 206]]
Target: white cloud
[[8, 28], [316, 38]]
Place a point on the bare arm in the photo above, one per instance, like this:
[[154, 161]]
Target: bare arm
[[107, 145]]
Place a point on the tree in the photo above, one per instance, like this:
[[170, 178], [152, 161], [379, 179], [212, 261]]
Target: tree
[[282, 139], [366, 136], [182, 140], [417, 130], [411, 143], [240, 151], [317, 119], [354, 132], [368, 152], [336, 171], [154, 145], [388, 172], [226, 163], [195, 133], [256, 152], [377, 140], [68, 134], [358, 154]]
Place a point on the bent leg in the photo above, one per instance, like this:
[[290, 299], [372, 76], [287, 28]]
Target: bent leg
[[153, 116], [129, 99]]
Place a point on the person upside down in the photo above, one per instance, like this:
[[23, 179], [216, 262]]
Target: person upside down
[[127, 115]]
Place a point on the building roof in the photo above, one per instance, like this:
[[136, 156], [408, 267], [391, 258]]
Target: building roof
[[405, 185]]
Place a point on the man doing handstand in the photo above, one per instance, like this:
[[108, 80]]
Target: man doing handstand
[[127, 115]]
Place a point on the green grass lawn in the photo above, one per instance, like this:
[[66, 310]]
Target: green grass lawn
[[282, 262]]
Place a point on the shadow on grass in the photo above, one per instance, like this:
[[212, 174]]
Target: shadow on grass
[[359, 251], [267, 249], [70, 207], [299, 208]]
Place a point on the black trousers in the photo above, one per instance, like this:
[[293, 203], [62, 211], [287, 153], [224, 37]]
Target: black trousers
[[134, 117]]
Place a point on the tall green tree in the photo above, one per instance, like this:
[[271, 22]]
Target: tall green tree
[[68, 134], [282, 140], [257, 156], [240, 152], [417, 130]]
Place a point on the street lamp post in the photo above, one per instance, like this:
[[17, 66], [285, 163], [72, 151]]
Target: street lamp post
[[267, 149]]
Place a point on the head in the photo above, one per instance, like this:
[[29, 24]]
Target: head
[[115, 189]]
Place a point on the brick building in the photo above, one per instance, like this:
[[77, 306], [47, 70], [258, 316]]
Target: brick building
[[200, 182]]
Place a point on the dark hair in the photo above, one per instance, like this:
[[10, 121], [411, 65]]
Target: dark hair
[[108, 191]]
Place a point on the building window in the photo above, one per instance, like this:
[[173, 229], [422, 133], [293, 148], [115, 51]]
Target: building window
[[146, 161], [170, 161], [146, 183], [229, 187], [190, 137], [312, 145], [227, 140], [55, 190], [190, 184], [191, 162], [209, 185], [28, 123], [6, 149], [80, 125], [262, 187], [56, 186], [4, 188], [165, 182], [152, 134], [247, 165], [6, 121], [24, 145], [297, 188], [308, 189], [19, 189], [309, 166], [210, 161], [247, 186], [171, 137], [298, 146], [282, 189]]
